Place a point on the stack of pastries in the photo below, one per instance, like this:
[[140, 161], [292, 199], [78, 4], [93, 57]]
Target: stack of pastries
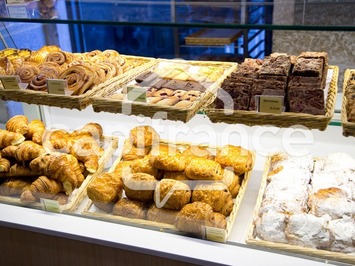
[[349, 94], [174, 84], [82, 71], [309, 202], [187, 186], [37, 163]]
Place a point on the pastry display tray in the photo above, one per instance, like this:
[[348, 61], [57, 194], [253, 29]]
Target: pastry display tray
[[348, 127], [110, 144], [213, 37], [253, 240], [102, 103], [285, 119], [78, 102], [209, 233]]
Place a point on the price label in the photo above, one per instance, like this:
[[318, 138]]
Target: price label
[[50, 205], [57, 86], [11, 82], [137, 94], [17, 11], [15, 1], [270, 104], [215, 234]]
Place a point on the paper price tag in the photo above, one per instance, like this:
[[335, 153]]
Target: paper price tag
[[270, 104], [11, 82], [137, 94], [15, 1], [215, 234], [57, 86], [17, 11], [50, 205]]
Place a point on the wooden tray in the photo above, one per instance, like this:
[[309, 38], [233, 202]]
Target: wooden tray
[[210, 233], [101, 102], [253, 240], [348, 127], [71, 102], [110, 144], [286, 119], [213, 37]]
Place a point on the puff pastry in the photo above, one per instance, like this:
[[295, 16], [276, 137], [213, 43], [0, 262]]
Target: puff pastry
[[240, 159], [139, 186], [171, 194], [198, 151], [168, 161], [130, 208], [161, 215], [203, 169], [218, 220], [144, 166], [131, 152], [232, 181], [143, 136]]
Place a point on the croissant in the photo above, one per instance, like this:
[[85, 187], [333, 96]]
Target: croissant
[[42, 187], [18, 170], [18, 124], [14, 186], [76, 168], [28, 150], [57, 141], [36, 129], [4, 165], [8, 138], [9, 151], [94, 129], [56, 166]]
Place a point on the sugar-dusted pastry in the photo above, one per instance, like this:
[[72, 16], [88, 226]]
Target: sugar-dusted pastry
[[285, 160], [232, 181], [307, 230], [270, 226], [215, 194], [161, 215], [8, 138], [171, 194], [131, 152], [342, 235], [139, 186], [193, 217], [199, 168], [198, 151], [218, 220], [240, 159], [18, 124], [335, 162], [130, 208], [143, 136], [105, 190]]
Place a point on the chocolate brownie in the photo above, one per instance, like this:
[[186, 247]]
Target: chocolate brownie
[[306, 101], [276, 65], [309, 67], [269, 84], [224, 100]]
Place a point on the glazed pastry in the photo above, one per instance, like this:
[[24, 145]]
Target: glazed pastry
[[123, 168], [171, 194], [42, 187], [14, 186], [40, 55], [168, 160], [28, 150], [130, 152], [109, 69], [27, 72], [18, 124], [105, 190], [175, 175], [20, 170], [236, 157], [139, 186], [232, 181], [8, 138], [4, 165], [218, 220], [198, 151], [36, 129], [59, 57], [57, 140], [143, 136], [215, 194], [38, 83], [193, 217], [9, 151], [130, 208], [144, 166], [203, 169], [93, 129], [161, 215]]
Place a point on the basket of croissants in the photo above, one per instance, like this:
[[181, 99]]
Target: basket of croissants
[[173, 187], [84, 74], [37, 163]]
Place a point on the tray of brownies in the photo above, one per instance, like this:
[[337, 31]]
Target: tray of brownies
[[301, 89]]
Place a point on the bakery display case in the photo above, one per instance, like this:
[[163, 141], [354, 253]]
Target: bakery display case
[[209, 35]]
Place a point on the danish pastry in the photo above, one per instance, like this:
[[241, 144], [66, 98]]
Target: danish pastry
[[171, 194], [139, 186], [203, 169], [240, 159]]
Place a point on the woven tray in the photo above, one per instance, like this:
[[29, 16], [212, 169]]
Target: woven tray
[[71, 102], [210, 233], [101, 102], [348, 127], [110, 144], [253, 240], [213, 37], [286, 119]]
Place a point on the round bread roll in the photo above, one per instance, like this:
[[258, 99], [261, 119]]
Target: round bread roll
[[171, 194], [130, 208], [240, 159], [143, 136], [193, 217], [203, 169], [139, 186], [215, 194]]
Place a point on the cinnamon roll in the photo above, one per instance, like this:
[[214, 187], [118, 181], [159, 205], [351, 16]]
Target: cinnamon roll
[[27, 72]]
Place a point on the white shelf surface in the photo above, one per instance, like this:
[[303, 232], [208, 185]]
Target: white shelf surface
[[199, 130]]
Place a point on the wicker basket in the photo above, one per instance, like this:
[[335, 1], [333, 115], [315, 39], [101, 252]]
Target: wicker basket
[[255, 241], [110, 144], [348, 127], [101, 102], [71, 102], [210, 233], [286, 119]]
